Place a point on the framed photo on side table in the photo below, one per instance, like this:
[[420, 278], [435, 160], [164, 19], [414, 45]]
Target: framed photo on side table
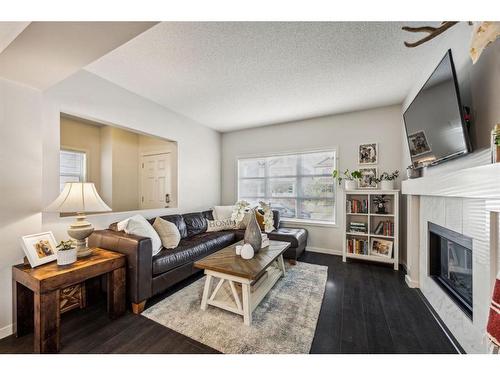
[[40, 248], [380, 247], [368, 154]]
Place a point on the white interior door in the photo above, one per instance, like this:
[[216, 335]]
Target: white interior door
[[155, 181]]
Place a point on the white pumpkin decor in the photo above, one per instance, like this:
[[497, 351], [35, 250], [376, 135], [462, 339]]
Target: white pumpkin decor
[[247, 251]]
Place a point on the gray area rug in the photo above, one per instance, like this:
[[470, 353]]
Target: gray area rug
[[284, 322]]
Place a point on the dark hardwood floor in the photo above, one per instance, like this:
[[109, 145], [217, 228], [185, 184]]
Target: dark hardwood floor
[[367, 308]]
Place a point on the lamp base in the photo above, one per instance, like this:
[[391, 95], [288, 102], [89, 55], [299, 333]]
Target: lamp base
[[79, 231]]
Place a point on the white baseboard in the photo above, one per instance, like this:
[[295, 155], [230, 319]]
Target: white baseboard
[[411, 283], [6, 331], [324, 251]]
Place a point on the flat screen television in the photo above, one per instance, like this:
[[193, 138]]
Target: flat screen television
[[435, 126]]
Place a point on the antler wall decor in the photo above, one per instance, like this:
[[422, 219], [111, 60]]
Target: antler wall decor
[[484, 34], [432, 32]]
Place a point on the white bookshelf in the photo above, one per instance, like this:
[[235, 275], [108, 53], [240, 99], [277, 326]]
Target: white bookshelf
[[371, 218]]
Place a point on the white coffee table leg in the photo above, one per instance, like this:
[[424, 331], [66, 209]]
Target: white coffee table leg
[[247, 304], [206, 292], [281, 263]]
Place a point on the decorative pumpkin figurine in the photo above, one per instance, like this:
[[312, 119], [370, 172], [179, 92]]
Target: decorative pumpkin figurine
[[253, 235], [247, 251]]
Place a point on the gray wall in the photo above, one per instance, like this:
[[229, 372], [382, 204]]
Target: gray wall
[[343, 132]]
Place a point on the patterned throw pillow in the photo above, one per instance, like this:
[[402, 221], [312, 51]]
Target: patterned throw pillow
[[218, 225]]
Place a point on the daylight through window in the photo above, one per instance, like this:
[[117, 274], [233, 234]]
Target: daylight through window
[[300, 186], [72, 167]]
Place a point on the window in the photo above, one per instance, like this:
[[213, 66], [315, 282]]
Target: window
[[72, 167], [300, 186]]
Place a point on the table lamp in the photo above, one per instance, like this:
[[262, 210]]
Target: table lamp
[[79, 197]]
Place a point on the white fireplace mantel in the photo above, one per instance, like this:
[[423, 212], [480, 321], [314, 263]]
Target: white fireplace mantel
[[466, 201], [479, 182]]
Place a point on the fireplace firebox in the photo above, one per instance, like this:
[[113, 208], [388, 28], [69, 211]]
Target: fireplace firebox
[[450, 264]]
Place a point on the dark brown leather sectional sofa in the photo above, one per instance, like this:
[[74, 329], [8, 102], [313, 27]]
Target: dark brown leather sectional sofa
[[148, 275]]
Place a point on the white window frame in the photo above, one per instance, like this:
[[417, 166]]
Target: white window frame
[[85, 162], [318, 223]]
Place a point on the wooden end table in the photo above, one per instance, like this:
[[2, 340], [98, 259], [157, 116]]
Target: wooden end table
[[36, 293], [251, 279]]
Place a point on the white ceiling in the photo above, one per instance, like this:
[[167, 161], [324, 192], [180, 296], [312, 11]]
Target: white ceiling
[[232, 75], [9, 31], [235, 75], [43, 53]]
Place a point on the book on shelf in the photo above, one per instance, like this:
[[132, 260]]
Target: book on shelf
[[384, 228], [356, 206], [357, 227], [357, 246]]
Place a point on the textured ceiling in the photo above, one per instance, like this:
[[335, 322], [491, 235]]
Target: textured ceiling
[[232, 75]]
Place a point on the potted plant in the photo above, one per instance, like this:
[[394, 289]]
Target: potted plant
[[386, 180], [66, 253], [380, 201], [350, 178]]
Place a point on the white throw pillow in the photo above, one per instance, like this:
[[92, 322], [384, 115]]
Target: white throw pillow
[[122, 225], [168, 232], [222, 212], [218, 225], [139, 226]]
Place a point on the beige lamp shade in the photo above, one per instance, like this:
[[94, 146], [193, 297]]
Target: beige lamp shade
[[78, 197]]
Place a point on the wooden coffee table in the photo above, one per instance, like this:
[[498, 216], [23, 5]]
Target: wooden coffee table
[[249, 280]]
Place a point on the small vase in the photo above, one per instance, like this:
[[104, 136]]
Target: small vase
[[253, 235], [387, 185], [65, 257], [350, 185]]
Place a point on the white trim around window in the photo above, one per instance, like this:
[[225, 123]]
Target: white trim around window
[[299, 183]]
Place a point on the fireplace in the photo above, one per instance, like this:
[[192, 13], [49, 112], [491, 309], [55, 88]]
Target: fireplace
[[450, 264]]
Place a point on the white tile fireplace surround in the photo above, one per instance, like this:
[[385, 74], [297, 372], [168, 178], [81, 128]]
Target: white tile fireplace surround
[[467, 202]]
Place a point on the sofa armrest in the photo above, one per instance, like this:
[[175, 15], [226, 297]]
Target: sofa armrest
[[139, 259]]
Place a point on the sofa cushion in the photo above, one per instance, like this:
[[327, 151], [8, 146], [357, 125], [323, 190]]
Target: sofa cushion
[[179, 222], [168, 232], [222, 212], [218, 225], [276, 218], [195, 223], [139, 226], [190, 250], [296, 236], [209, 215]]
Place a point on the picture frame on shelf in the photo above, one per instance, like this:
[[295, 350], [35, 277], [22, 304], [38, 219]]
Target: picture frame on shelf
[[418, 144], [381, 247], [40, 248], [368, 154], [368, 176]]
